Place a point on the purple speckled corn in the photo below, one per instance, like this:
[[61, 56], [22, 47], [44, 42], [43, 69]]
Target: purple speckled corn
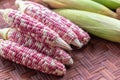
[[30, 58], [30, 42], [32, 27], [46, 16]]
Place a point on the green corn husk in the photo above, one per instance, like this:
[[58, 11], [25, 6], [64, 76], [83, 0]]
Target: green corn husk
[[112, 4], [99, 25], [87, 5]]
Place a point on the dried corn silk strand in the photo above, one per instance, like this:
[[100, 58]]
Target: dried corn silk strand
[[29, 42], [30, 58]]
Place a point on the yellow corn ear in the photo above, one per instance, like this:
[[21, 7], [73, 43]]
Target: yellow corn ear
[[87, 5], [102, 26]]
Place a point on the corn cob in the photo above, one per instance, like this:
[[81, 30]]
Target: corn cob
[[99, 25], [27, 41], [112, 4], [87, 5], [50, 19], [30, 58], [32, 27]]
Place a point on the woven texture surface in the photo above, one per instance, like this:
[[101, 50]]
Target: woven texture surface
[[99, 60]]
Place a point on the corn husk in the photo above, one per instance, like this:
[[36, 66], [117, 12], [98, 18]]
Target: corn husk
[[112, 4], [87, 5], [102, 26]]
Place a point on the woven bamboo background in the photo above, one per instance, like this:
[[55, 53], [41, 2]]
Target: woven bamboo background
[[99, 60]]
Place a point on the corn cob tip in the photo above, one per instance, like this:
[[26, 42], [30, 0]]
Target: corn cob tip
[[60, 72], [3, 33], [70, 62], [77, 43], [61, 43], [20, 5], [1, 11], [1, 40], [4, 13], [18, 2]]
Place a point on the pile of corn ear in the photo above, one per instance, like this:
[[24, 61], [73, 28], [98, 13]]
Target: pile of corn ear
[[40, 38], [97, 17]]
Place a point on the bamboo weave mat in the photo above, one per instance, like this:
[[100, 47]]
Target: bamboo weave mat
[[99, 60]]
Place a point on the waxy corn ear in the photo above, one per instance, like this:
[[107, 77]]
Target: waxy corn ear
[[30, 58], [45, 16], [27, 41], [102, 26], [87, 5], [32, 27], [68, 31]]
